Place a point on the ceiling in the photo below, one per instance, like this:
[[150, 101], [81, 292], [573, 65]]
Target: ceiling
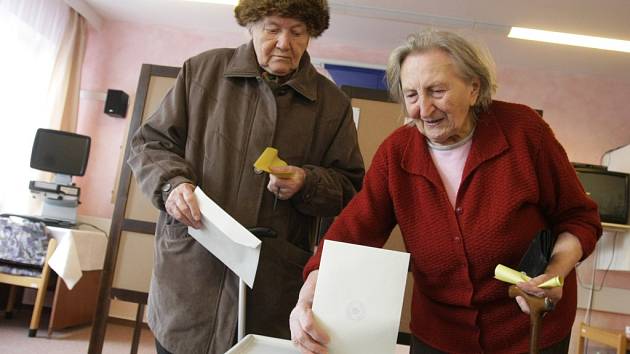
[[380, 25]]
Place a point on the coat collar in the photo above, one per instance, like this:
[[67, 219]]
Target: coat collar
[[488, 141], [244, 64]]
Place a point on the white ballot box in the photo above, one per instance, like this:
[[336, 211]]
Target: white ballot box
[[255, 344], [358, 300]]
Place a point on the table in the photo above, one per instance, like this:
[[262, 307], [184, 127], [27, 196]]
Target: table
[[77, 251], [78, 260]]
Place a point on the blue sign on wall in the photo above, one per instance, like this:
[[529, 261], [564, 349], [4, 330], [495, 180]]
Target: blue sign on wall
[[359, 77]]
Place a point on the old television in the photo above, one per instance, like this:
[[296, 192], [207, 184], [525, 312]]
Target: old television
[[65, 155], [609, 189], [60, 152]]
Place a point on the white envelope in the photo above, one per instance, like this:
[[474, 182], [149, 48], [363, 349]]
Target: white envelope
[[226, 239], [359, 297]]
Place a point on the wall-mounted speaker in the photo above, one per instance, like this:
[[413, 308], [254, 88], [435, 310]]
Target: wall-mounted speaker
[[116, 103]]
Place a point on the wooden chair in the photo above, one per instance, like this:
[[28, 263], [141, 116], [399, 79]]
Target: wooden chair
[[40, 283], [615, 339]]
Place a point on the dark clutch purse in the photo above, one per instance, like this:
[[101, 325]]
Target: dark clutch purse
[[535, 260]]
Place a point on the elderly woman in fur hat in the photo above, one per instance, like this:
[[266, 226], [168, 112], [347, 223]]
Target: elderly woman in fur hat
[[226, 107]]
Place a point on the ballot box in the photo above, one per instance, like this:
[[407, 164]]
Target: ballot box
[[255, 344]]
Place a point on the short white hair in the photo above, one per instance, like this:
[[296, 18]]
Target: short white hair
[[471, 62]]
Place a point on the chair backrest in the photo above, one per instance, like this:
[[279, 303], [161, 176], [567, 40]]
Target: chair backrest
[[23, 246]]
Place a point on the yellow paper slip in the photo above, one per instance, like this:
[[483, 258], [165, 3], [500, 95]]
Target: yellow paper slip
[[269, 158], [512, 276]]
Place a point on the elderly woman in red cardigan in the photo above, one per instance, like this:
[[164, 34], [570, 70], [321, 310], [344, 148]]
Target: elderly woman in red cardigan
[[470, 181]]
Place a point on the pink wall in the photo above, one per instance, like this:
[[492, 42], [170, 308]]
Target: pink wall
[[113, 60], [587, 114]]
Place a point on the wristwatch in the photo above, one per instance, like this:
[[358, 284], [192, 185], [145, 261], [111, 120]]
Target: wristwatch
[[166, 190]]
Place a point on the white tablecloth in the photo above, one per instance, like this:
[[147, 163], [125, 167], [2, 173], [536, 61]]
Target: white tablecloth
[[77, 251]]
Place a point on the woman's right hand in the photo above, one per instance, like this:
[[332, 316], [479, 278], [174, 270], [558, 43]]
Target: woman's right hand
[[305, 334], [182, 205]]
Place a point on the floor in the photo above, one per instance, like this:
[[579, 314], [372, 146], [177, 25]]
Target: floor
[[14, 338]]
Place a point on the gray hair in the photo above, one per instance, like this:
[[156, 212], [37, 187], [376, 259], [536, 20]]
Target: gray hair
[[470, 61]]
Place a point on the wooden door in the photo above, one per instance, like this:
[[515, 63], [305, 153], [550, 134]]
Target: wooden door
[[129, 258]]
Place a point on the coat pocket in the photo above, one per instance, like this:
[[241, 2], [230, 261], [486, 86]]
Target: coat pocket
[[174, 230], [295, 255]]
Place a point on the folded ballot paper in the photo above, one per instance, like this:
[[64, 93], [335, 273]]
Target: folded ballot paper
[[226, 239], [359, 297], [533, 263], [268, 159], [512, 276]]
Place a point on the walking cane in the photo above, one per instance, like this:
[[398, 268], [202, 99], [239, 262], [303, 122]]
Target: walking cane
[[537, 308]]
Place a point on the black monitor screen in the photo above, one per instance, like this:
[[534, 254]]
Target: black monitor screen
[[60, 152], [609, 190]]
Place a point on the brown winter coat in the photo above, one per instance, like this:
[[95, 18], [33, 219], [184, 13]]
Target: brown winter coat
[[209, 130]]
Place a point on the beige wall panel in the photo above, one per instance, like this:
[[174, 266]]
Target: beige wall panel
[[158, 87], [138, 205], [376, 121], [134, 264]]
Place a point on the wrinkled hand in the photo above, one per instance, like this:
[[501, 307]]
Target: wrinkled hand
[[182, 205], [286, 187], [305, 333], [531, 287]]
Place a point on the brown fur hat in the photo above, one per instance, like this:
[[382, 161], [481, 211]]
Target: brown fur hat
[[314, 13]]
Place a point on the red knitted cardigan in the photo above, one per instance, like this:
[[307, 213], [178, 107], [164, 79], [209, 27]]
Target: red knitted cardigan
[[517, 180]]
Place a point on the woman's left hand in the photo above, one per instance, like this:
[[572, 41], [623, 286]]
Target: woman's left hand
[[531, 287], [286, 187]]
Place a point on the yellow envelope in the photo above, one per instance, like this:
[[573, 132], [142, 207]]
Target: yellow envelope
[[512, 276], [269, 158]]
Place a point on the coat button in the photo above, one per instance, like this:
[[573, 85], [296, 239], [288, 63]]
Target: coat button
[[257, 171], [459, 210], [282, 90], [456, 238]]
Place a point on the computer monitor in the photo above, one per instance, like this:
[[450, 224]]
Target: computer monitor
[[60, 152], [609, 189]]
